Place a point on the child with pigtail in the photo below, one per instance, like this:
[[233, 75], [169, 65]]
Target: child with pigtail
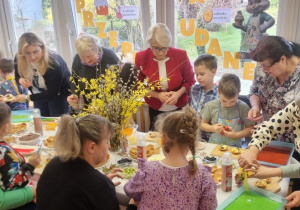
[[174, 182]]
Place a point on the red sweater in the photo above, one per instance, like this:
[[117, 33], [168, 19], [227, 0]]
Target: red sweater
[[179, 71]]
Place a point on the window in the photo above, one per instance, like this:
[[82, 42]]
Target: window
[[123, 17], [228, 37], [33, 16]]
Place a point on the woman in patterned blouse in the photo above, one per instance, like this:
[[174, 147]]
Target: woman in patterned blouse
[[276, 78]]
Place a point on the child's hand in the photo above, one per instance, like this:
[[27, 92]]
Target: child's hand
[[218, 128], [20, 98], [72, 99], [113, 174], [25, 83], [1, 98], [293, 200], [229, 132], [35, 160], [33, 188]]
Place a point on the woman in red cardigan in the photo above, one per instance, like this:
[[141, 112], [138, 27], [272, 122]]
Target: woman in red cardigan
[[166, 64]]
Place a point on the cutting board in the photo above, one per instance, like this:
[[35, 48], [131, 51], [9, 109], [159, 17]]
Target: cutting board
[[217, 152], [273, 186]]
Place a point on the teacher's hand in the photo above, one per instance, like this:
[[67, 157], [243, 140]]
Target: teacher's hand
[[173, 98], [20, 98], [248, 157], [25, 83], [254, 114], [293, 200], [114, 173], [72, 99], [164, 96]]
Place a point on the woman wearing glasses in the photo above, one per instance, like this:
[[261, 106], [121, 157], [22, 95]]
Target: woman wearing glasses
[[44, 73], [276, 78], [90, 62], [167, 65]]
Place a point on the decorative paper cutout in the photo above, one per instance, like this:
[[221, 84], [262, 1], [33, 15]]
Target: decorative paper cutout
[[101, 33], [79, 5], [208, 15], [248, 73], [88, 19], [194, 1], [126, 48], [201, 37], [233, 60], [113, 38], [183, 26], [214, 48], [101, 7]]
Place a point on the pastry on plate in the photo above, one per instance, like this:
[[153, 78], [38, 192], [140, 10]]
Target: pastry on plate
[[235, 151], [152, 136], [260, 183], [223, 147], [8, 96]]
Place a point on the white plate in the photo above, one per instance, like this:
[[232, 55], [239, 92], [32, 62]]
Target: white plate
[[31, 142], [22, 149], [156, 157]]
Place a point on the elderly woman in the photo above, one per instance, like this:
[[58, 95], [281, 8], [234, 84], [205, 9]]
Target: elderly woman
[[90, 62], [44, 73], [276, 78], [167, 65], [70, 180]]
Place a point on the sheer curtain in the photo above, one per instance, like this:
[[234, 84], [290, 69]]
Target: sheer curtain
[[288, 25]]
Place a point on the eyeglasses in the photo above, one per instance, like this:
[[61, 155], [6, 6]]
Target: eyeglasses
[[36, 52], [267, 67], [157, 49]]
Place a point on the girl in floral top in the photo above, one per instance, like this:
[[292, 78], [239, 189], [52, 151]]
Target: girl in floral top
[[14, 172], [174, 182], [276, 78]]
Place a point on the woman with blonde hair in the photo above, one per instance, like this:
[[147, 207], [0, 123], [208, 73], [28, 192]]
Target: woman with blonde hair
[[167, 65], [70, 180], [44, 73], [90, 62]]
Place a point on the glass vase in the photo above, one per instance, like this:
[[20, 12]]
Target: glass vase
[[115, 140]]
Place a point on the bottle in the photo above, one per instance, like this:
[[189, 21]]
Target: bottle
[[239, 18], [226, 183], [141, 146], [37, 121]]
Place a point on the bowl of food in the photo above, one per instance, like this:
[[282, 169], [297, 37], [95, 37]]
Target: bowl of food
[[128, 172], [30, 139]]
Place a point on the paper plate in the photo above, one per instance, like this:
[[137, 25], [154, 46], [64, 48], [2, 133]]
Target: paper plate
[[25, 150]]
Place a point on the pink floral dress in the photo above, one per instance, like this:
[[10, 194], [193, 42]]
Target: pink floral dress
[[158, 186]]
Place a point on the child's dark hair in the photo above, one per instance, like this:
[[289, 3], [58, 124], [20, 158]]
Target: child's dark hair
[[128, 76], [5, 113], [7, 65], [180, 127], [229, 85], [208, 60]]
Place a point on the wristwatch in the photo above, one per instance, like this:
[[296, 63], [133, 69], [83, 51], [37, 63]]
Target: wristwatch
[[26, 98]]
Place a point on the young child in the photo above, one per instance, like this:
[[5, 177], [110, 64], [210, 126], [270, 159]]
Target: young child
[[10, 86], [14, 172], [292, 171], [226, 116], [205, 67], [174, 182]]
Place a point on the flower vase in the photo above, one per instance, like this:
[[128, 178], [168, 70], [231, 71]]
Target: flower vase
[[115, 140]]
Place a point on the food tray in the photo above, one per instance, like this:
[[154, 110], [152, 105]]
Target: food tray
[[276, 154], [21, 116], [260, 192]]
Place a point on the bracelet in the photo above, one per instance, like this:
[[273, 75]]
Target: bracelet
[[26, 98]]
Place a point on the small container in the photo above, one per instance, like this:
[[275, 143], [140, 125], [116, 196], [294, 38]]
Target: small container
[[37, 121], [226, 184], [141, 147]]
